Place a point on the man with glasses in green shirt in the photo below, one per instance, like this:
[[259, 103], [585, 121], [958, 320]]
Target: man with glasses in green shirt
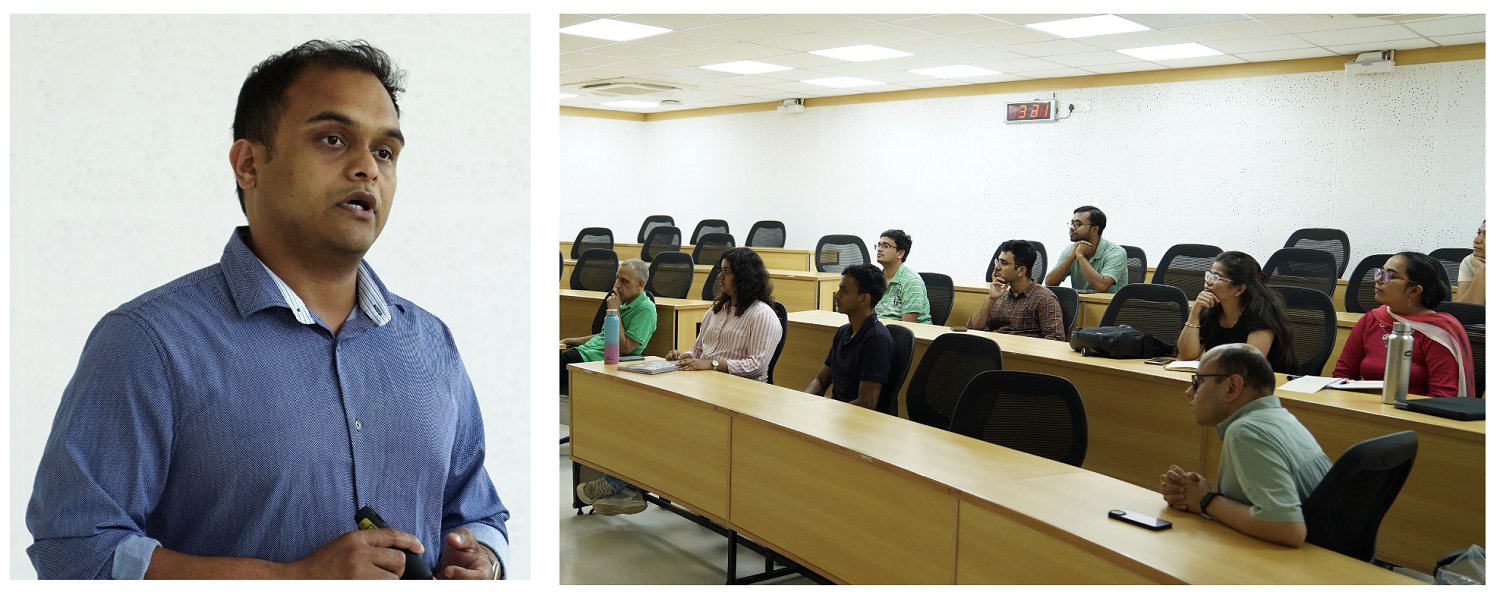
[[1092, 262], [905, 292], [637, 319]]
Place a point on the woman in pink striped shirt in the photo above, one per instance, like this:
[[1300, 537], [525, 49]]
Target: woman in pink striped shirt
[[740, 333]]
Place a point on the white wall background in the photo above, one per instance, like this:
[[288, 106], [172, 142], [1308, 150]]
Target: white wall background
[[121, 182], [1395, 160]]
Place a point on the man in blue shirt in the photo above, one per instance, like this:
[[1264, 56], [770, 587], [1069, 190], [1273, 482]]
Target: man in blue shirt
[[230, 423], [859, 361]]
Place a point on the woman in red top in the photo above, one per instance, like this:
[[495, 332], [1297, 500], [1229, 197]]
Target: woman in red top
[[1409, 286]]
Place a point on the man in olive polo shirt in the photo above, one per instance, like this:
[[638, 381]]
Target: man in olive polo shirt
[[1092, 262], [905, 292], [637, 319], [859, 363], [1269, 464]]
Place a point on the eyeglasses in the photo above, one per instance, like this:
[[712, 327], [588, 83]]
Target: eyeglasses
[[1199, 377], [879, 246], [1212, 278], [1077, 224], [1381, 276]]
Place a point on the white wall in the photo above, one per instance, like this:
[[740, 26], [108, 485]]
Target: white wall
[[1395, 160], [121, 182]]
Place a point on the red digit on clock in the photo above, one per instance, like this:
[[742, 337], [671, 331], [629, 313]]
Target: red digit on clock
[[1033, 111], [1046, 110]]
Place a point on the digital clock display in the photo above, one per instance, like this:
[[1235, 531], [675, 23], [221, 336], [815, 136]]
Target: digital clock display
[[1032, 111]]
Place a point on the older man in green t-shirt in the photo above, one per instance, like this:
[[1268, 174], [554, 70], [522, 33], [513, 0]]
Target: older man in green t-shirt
[[637, 319]]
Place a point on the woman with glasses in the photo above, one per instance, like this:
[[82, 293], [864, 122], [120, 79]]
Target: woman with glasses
[[1410, 285], [1471, 273], [1235, 306]]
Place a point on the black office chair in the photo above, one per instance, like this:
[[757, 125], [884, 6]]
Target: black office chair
[[598, 325], [711, 247], [837, 251], [660, 239], [561, 264], [1451, 258], [1150, 308], [1067, 300], [1135, 264], [1035, 413], [1343, 514], [1314, 326], [1302, 268], [671, 275], [709, 227], [780, 316], [1472, 318], [711, 284], [939, 296], [595, 270], [1331, 240], [950, 362], [766, 233], [1183, 267], [1037, 272], [900, 363], [1359, 295], [593, 238], [650, 223]]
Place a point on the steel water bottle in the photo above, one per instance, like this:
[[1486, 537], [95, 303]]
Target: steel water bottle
[[611, 336], [1397, 364]]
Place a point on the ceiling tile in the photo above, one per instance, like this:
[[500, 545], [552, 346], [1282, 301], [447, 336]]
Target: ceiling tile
[[858, 69], [993, 78], [792, 74], [568, 20], [937, 82], [1238, 30], [1449, 26], [590, 74], [746, 80], [1132, 40], [874, 34], [1259, 44], [1021, 65], [1460, 39], [683, 41], [1307, 23], [1285, 54], [1093, 58], [571, 78], [1359, 48], [745, 51], [813, 22], [1219, 60], [676, 22], [944, 24], [796, 87], [1365, 35], [701, 95], [695, 74], [1050, 48], [580, 59], [745, 31], [896, 77], [927, 45], [804, 42], [1057, 73], [631, 50], [644, 67], [574, 43], [885, 18], [800, 60], [915, 62], [1005, 36], [750, 91], [1027, 19], [974, 56], [690, 59], [1118, 68], [1169, 21]]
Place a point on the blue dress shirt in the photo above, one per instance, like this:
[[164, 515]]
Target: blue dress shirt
[[206, 416]]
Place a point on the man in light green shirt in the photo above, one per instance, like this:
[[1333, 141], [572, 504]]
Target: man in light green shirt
[[905, 293], [637, 319], [1092, 262], [1269, 464]]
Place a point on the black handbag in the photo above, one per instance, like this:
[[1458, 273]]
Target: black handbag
[[1122, 342], [1460, 408]]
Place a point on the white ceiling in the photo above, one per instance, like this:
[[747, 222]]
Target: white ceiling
[[997, 42]]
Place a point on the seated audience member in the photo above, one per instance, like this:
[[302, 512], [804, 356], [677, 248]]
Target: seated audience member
[[859, 362], [1269, 463], [740, 332], [637, 319], [905, 292], [1471, 273], [1092, 262], [1236, 307], [1409, 287], [1016, 305]]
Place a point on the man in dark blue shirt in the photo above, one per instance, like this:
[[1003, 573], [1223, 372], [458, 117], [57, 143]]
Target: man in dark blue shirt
[[230, 423], [859, 363]]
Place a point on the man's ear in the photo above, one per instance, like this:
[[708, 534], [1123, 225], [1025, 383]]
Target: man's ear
[[242, 159], [1235, 388]]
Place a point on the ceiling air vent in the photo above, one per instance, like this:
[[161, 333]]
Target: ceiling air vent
[[621, 87]]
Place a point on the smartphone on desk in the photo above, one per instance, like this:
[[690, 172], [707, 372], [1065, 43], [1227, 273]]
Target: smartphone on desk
[[632, 358], [1162, 361], [1139, 519]]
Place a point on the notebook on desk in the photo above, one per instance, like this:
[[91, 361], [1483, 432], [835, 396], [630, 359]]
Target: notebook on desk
[[651, 367]]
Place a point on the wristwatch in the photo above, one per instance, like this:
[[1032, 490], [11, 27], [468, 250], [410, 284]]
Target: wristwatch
[[1207, 499], [716, 365]]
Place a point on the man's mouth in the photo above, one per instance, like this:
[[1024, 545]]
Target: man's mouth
[[360, 201]]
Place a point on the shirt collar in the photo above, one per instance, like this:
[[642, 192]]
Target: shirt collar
[[632, 303], [1024, 295], [864, 329], [247, 276], [1266, 402]]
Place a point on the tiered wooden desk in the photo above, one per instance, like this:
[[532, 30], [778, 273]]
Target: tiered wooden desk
[[865, 498], [796, 290], [1139, 424], [676, 320], [788, 259]]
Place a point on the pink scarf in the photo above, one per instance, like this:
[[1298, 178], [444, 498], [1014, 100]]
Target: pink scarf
[[1445, 331]]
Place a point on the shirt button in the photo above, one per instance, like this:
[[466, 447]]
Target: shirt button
[[357, 426]]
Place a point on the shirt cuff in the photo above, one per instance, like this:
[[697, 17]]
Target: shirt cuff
[[491, 537], [132, 557]]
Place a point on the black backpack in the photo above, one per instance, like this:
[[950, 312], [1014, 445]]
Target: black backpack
[[1120, 342]]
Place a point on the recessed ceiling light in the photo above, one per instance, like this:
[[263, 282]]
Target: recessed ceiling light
[[860, 53], [745, 67], [561, 96], [842, 82], [1170, 52], [633, 104], [1104, 24], [613, 30], [954, 71]]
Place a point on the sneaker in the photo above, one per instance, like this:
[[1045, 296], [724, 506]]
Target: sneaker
[[628, 501], [594, 490]]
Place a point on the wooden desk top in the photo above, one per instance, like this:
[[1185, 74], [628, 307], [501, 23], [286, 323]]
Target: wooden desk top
[[1346, 320], [673, 303], [567, 247], [790, 274]]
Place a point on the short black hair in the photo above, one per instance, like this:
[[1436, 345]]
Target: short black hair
[[903, 242], [1096, 217], [1247, 362], [870, 279], [1429, 273], [1023, 251], [263, 95]]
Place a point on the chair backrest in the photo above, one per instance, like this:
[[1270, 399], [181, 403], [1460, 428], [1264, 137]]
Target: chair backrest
[[837, 251], [671, 275], [766, 233], [1135, 264], [780, 316], [1472, 318], [1343, 514], [593, 238], [1314, 325], [1451, 258], [595, 270], [711, 284], [1038, 271], [939, 296], [599, 316], [1359, 295], [709, 227], [660, 239], [950, 362], [1303, 268], [1067, 300], [561, 264], [1031, 412], [1183, 266], [1150, 308], [711, 247], [900, 363], [650, 223], [1332, 240]]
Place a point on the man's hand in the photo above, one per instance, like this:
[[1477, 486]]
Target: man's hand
[[672, 356], [1082, 249], [1183, 490], [998, 288], [576, 341], [358, 555], [464, 558], [612, 300]]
